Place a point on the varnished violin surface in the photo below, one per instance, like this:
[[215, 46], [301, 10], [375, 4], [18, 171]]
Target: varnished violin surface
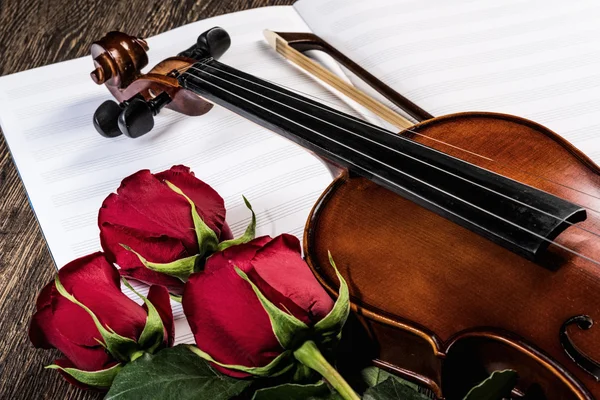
[[447, 306], [469, 241]]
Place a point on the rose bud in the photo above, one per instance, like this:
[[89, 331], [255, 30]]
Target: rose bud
[[84, 314], [256, 309], [159, 227]]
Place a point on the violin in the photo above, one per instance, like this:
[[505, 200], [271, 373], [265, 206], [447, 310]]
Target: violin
[[469, 241]]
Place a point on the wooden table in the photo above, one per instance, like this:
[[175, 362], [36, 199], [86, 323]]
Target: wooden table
[[35, 33]]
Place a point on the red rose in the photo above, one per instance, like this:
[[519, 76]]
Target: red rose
[[156, 222], [227, 319], [60, 323]]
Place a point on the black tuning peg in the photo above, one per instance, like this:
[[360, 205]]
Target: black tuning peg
[[212, 43], [105, 119], [107, 114], [137, 118]]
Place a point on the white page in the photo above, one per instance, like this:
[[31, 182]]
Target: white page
[[68, 169], [539, 59]]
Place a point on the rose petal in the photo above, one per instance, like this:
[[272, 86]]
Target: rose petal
[[43, 333], [160, 249], [239, 255], [95, 283], [44, 299], [228, 321], [159, 297], [275, 263], [146, 204], [149, 277], [226, 233], [209, 204]]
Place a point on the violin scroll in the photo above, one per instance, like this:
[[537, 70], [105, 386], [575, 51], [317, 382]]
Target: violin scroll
[[118, 60]]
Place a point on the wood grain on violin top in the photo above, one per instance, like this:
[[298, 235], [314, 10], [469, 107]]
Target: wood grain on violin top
[[34, 33]]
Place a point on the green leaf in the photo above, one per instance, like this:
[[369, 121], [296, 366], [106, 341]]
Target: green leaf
[[118, 346], [153, 335], [207, 238], [497, 386], [247, 236], [180, 269], [373, 376], [98, 379], [330, 327], [173, 373], [391, 389], [292, 391], [281, 364], [288, 329]]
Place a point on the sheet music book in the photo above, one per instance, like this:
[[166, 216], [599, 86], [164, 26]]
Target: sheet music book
[[536, 59]]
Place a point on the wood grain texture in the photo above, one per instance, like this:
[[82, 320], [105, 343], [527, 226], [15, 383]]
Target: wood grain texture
[[447, 306], [34, 33]]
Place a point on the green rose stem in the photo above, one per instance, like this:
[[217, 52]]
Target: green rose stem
[[309, 355]]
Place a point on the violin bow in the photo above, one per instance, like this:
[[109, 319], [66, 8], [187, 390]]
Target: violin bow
[[291, 46]]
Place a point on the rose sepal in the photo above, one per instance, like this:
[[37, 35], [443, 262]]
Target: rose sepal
[[330, 327], [280, 365], [153, 334], [207, 238], [118, 346], [248, 235], [180, 269], [288, 329], [100, 379]]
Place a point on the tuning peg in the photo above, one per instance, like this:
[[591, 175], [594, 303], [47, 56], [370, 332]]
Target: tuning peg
[[105, 119], [137, 118], [212, 43], [107, 114]]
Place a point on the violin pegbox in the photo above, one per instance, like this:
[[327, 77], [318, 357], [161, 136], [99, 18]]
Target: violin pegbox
[[118, 60]]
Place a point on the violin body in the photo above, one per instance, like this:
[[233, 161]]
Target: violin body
[[446, 306]]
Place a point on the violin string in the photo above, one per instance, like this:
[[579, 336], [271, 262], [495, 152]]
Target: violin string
[[392, 183], [342, 114], [338, 112], [399, 152]]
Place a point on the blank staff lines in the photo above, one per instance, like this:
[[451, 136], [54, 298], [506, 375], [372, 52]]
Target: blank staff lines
[[48, 129], [60, 105], [490, 32], [417, 24], [187, 338], [298, 232], [48, 153], [584, 133], [510, 75], [79, 221], [223, 149], [277, 182], [278, 212], [161, 146], [106, 187], [87, 246], [573, 110], [489, 56], [37, 88], [73, 196], [524, 96], [256, 163]]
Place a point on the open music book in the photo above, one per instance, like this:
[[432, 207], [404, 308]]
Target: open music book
[[536, 59]]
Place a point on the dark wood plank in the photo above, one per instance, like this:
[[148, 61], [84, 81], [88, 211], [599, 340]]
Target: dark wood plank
[[35, 33]]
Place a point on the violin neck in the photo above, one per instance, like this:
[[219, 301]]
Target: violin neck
[[471, 196]]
